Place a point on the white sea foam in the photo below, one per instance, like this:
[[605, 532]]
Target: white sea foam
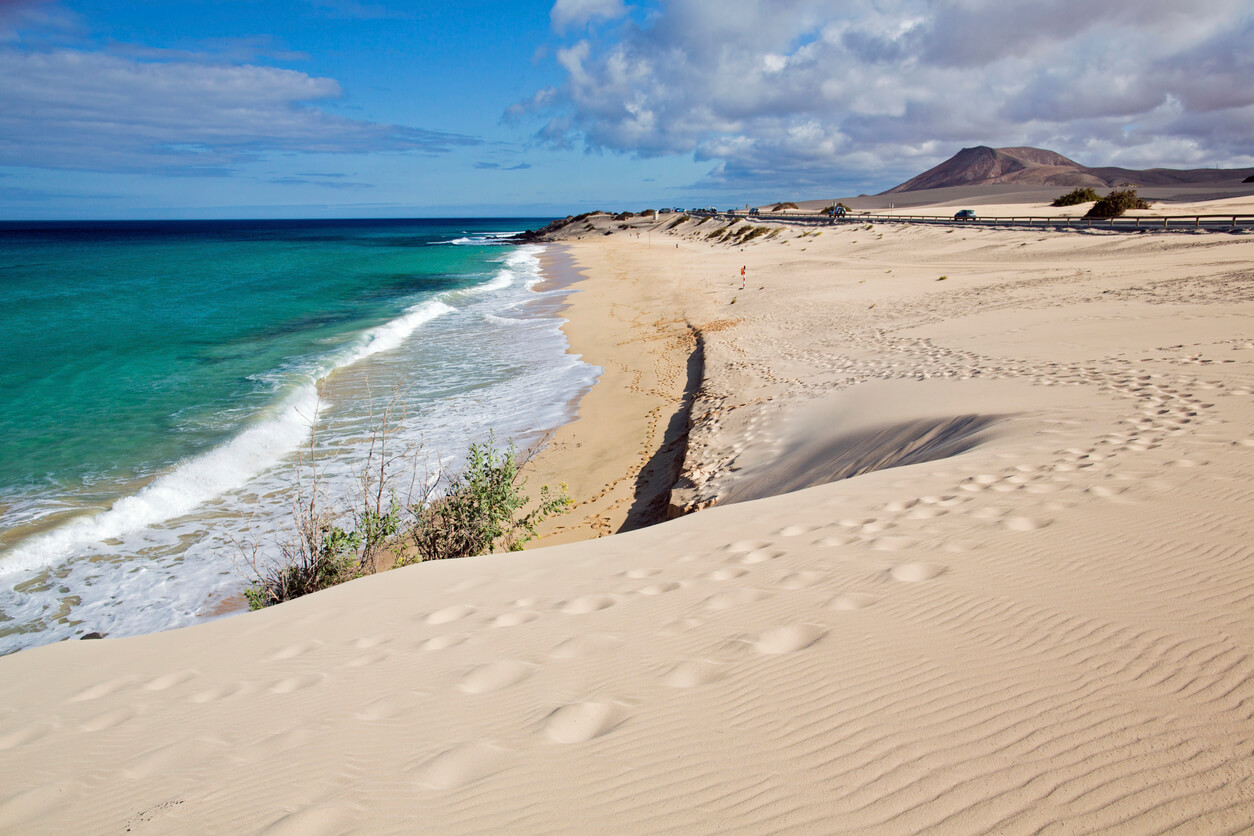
[[228, 467], [161, 555], [481, 238]]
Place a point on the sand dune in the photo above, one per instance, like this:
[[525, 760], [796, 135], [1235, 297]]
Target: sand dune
[[1026, 604]]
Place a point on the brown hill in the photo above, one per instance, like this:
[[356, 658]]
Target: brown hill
[[1037, 167]]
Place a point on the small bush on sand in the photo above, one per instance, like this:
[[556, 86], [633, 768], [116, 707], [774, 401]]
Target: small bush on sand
[[779, 206], [479, 509], [1076, 197], [1116, 203]]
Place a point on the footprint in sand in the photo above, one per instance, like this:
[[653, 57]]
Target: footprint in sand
[[760, 556], [515, 618], [743, 546], [852, 601], [443, 642], [788, 639], [460, 766], [1025, 523], [658, 588], [735, 599], [453, 613], [103, 689], [796, 530], [495, 676], [108, 720], [169, 680], [800, 580], [291, 651], [314, 820], [917, 572], [368, 642], [297, 683], [588, 603], [892, 544], [586, 644], [692, 674], [727, 574], [234, 689], [582, 721]]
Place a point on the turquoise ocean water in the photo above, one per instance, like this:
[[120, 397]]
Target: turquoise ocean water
[[158, 380]]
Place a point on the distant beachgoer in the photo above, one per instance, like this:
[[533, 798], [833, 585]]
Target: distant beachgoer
[[742, 278]]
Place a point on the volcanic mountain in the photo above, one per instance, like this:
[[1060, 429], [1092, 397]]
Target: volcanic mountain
[[1037, 167]]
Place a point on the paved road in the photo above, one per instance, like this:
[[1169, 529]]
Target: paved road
[[1170, 223]]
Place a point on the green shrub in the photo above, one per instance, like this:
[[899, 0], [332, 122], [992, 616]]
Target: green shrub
[[1116, 203], [479, 510], [323, 554], [778, 206], [1075, 197]]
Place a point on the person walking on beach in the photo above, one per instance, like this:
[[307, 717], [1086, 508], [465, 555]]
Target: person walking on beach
[[742, 278]]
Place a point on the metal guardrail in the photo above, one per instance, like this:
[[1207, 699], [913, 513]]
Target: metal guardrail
[[1143, 224]]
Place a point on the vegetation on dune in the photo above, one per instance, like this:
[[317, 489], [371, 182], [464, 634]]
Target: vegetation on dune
[[1076, 196], [1116, 203], [480, 509], [678, 221], [778, 206], [749, 233]]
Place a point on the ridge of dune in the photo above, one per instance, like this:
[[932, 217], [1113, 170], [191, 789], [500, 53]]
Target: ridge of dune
[[974, 554]]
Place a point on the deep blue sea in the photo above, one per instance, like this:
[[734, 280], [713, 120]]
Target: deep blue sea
[[159, 380]]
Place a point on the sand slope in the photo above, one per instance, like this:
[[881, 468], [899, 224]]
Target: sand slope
[[1035, 615]]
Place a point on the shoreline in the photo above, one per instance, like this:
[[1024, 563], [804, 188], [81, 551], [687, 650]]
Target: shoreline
[[621, 453], [978, 559]]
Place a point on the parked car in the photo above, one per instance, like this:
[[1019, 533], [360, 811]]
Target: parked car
[[965, 215], [837, 211], [754, 211]]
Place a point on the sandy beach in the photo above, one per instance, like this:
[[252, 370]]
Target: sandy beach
[[962, 540]]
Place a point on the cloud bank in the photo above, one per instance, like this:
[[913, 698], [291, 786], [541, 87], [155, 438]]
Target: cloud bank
[[816, 92], [75, 109]]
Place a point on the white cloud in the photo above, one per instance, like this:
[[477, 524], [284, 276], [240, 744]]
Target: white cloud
[[88, 110], [574, 13], [827, 90]]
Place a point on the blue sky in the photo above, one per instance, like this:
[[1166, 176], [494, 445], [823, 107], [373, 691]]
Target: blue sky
[[354, 108]]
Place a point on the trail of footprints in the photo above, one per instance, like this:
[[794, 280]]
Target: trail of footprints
[[1163, 405]]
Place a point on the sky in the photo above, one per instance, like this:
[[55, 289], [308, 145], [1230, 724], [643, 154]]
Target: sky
[[373, 108]]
